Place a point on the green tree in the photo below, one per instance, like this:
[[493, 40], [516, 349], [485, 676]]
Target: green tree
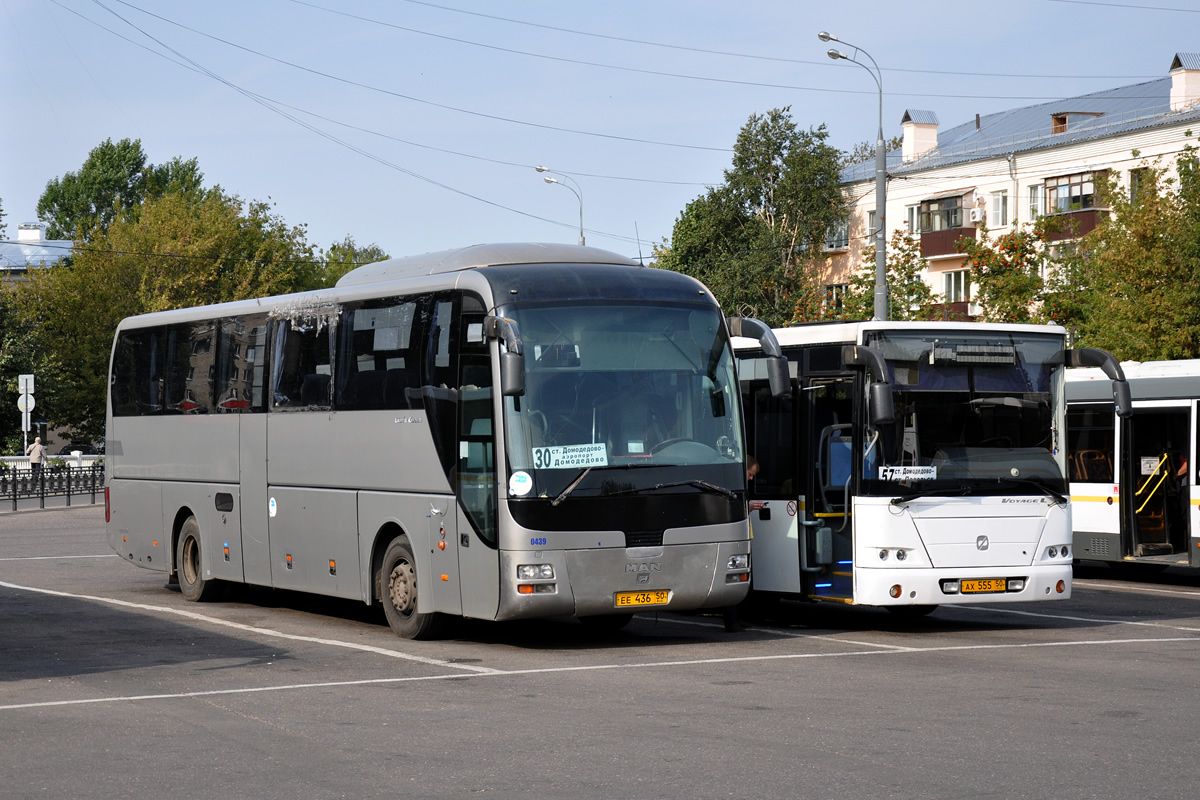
[[114, 180], [753, 239], [1007, 271], [863, 152], [1134, 285], [181, 249], [909, 296], [343, 256]]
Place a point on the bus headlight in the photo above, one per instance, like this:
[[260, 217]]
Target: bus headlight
[[532, 572], [1052, 552], [739, 562]]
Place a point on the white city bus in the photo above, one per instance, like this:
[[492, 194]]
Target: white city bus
[[1133, 480], [496, 432], [913, 464]]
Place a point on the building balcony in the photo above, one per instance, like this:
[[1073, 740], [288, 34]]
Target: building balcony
[[941, 243]]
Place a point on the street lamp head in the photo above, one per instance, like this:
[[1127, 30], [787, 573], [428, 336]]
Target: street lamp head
[[540, 168], [827, 37], [548, 179], [835, 54]]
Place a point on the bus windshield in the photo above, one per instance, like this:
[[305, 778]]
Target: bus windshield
[[617, 386], [975, 412]]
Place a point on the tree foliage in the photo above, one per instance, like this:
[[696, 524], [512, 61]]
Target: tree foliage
[[863, 152], [113, 181], [1007, 271], [909, 296], [1133, 287], [752, 240], [181, 249], [343, 256]]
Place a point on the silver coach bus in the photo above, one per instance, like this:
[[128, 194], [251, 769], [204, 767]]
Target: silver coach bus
[[496, 432]]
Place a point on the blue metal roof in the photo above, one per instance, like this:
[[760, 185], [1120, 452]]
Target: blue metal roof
[[1090, 116], [1186, 61], [919, 117], [22, 256]]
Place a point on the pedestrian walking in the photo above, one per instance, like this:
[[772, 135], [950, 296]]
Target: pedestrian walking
[[37, 457]]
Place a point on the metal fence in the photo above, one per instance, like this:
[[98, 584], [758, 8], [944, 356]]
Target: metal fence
[[53, 482]]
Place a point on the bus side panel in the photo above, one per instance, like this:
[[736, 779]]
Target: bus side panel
[[201, 448], [218, 529], [1096, 519], [775, 548], [256, 545], [413, 515], [480, 569], [374, 450], [136, 523], [314, 541]]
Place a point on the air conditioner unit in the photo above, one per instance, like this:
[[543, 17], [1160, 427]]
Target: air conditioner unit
[[977, 215]]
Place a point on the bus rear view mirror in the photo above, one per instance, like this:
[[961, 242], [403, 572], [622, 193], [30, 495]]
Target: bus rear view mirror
[[1095, 357], [778, 374], [883, 409], [512, 374]]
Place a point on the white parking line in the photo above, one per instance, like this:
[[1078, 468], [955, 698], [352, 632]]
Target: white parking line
[[591, 668], [436, 662], [54, 558], [1095, 584], [1070, 618]]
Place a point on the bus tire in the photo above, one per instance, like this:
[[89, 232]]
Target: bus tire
[[398, 592], [189, 562]]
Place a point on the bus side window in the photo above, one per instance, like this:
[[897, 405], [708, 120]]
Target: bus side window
[[302, 369], [1090, 442]]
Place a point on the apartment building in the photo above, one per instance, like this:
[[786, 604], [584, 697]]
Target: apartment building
[[1007, 168]]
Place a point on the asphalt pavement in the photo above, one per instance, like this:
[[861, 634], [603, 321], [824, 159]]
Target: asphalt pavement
[[112, 685]]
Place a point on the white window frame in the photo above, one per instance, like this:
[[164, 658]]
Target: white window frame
[[912, 218], [957, 284], [998, 213], [1037, 197]]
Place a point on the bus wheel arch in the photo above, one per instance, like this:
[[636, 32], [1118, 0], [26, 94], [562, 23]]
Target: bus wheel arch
[[181, 516], [397, 588]]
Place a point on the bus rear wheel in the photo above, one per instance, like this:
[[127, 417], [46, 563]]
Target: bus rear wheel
[[189, 564], [398, 592]]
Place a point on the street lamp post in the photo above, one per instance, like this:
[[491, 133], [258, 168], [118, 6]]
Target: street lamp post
[[573, 186], [881, 297]]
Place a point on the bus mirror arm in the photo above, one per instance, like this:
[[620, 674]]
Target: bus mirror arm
[[778, 374], [1095, 357], [512, 361], [879, 392]]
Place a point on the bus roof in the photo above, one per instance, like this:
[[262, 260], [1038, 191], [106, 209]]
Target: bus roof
[[480, 255], [1150, 380], [855, 332]]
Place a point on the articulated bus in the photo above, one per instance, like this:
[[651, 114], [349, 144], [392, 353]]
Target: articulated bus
[[914, 464], [1133, 480], [496, 432]]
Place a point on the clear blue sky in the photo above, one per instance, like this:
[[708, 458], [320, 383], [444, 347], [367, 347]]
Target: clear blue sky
[[422, 121]]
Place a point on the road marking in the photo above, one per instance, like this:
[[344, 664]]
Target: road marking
[[54, 558], [589, 668], [794, 635], [436, 662], [1089, 583], [1070, 618]]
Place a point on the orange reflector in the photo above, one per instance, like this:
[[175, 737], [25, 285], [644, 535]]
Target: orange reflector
[[896, 590], [123, 539], [525, 589], [332, 564], [445, 577], [441, 545], [156, 544], [1061, 586], [745, 576]]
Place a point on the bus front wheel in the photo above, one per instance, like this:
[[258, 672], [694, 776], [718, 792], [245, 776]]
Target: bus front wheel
[[398, 591], [189, 564]]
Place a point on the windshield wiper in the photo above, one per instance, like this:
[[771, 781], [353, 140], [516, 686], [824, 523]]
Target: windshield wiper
[[942, 492], [570, 487], [705, 485], [1039, 483]]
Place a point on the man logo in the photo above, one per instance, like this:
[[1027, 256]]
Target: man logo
[[981, 543]]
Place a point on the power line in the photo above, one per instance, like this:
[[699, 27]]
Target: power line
[[731, 54], [1128, 5]]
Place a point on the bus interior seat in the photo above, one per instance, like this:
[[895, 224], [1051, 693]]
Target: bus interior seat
[[367, 389], [315, 390], [1093, 466]]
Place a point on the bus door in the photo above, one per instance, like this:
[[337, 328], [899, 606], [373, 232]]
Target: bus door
[[1095, 491], [771, 431], [1155, 498], [829, 403], [475, 485], [1189, 478]]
